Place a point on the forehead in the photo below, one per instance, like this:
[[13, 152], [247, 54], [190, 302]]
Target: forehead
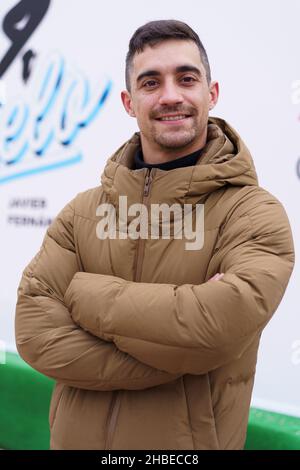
[[166, 56]]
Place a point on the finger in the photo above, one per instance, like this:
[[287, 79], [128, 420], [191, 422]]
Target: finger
[[217, 277]]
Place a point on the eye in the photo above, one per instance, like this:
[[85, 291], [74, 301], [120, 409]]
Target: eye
[[150, 83], [188, 80]]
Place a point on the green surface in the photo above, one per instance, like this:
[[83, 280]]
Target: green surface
[[272, 431], [25, 397]]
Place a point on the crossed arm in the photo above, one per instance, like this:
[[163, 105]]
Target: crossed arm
[[195, 328], [102, 332], [48, 339]]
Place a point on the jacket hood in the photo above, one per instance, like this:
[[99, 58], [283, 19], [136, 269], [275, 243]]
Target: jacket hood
[[225, 160]]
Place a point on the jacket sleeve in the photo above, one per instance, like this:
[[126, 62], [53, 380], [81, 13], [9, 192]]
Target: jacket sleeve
[[49, 340], [196, 328]]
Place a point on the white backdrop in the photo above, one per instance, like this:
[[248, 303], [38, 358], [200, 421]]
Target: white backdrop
[[56, 133]]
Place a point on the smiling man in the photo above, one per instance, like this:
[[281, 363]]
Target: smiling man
[[154, 346], [170, 93]]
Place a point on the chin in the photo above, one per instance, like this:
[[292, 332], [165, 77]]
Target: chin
[[174, 142]]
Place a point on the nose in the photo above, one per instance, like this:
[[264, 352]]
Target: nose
[[170, 94]]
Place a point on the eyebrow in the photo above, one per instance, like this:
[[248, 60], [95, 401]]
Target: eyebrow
[[179, 69]]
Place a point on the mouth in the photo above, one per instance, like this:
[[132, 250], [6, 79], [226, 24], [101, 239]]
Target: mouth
[[175, 118]]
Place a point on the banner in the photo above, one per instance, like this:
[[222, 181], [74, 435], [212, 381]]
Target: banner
[[62, 67]]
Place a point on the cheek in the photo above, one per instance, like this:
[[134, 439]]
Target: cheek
[[200, 101], [203, 110], [142, 117], [145, 105]]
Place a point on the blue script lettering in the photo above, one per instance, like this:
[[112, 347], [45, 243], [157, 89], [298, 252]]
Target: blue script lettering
[[37, 132]]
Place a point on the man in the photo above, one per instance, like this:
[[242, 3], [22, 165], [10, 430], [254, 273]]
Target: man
[[147, 352]]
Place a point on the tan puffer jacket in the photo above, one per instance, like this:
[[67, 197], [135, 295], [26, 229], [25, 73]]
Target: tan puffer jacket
[[147, 353]]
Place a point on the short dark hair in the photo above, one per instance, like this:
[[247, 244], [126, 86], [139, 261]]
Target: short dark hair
[[155, 32]]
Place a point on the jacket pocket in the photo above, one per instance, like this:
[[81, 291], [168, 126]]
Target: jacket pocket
[[55, 401]]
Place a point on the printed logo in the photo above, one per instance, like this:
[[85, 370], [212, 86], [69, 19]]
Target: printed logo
[[18, 25], [38, 130]]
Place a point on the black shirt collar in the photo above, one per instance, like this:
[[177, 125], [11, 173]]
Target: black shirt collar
[[188, 160]]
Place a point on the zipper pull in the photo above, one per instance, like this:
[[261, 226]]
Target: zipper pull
[[147, 184]]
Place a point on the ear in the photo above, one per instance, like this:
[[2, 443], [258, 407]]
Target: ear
[[127, 103], [213, 94]]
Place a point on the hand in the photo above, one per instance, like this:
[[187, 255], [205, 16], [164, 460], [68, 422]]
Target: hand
[[216, 277]]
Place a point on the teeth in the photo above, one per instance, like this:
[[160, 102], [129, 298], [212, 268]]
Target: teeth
[[173, 118]]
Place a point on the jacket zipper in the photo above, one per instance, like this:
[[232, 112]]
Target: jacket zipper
[[116, 399], [141, 241]]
